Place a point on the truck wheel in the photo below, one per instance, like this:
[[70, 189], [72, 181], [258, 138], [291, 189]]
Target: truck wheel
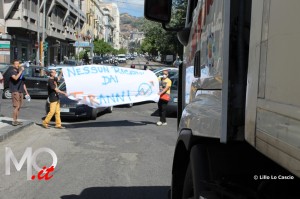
[[199, 175], [6, 94], [188, 187], [226, 171]]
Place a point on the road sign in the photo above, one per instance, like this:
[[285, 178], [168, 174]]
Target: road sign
[[4, 47], [45, 45], [82, 44]]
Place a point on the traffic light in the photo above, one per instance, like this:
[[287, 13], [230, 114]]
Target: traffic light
[[45, 46]]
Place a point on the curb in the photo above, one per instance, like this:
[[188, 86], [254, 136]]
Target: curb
[[12, 132]]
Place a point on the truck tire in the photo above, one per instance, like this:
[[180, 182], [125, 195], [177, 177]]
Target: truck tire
[[202, 173], [232, 171]]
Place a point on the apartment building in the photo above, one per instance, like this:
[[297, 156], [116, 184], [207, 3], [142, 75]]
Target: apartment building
[[114, 11], [94, 26], [59, 20], [112, 24]]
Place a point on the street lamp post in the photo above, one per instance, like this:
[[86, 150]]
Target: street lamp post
[[38, 33]]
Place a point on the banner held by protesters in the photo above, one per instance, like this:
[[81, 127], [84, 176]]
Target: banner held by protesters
[[104, 86]]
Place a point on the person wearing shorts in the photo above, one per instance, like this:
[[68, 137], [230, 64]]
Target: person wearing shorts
[[17, 87]]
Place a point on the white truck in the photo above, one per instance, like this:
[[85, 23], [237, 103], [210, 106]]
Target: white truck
[[239, 98]]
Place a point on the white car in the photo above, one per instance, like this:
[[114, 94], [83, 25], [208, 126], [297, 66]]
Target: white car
[[121, 58], [159, 71]]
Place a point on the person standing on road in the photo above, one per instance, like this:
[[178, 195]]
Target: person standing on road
[[165, 91], [53, 96], [177, 62], [146, 66], [1, 91], [17, 87]]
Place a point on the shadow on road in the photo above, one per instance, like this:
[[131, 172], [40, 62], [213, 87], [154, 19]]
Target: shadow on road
[[169, 114], [116, 123], [155, 192], [7, 122]]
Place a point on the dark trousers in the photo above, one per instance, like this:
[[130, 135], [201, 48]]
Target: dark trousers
[[162, 109]]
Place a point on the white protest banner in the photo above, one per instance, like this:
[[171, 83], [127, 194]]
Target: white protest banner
[[104, 86]]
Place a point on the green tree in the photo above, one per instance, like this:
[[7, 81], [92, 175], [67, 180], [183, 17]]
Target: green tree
[[101, 47], [81, 54], [122, 51], [158, 39]]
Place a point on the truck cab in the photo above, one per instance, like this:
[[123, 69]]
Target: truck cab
[[238, 116]]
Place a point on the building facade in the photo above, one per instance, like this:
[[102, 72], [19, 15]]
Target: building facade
[[94, 26], [116, 24], [56, 21], [59, 23]]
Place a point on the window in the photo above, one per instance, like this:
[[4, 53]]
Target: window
[[33, 5], [27, 72]]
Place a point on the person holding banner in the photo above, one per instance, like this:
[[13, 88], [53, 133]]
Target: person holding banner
[[53, 92], [165, 91], [17, 87]]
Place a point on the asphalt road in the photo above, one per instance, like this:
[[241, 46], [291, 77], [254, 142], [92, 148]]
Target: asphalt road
[[120, 155]]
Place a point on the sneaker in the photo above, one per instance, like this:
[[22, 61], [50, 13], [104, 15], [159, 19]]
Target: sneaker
[[159, 123], [45, 126], [19, 123], [164, 123], [60, 127], [14, 123]]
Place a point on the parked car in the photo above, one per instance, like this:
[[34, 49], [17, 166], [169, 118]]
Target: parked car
[[159, 71], [72, 62], [36, 80], [106, 59], [71, 108], [98, 60], [121, 58], [4, 67]]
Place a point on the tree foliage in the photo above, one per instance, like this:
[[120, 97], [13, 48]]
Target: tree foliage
[[122, 51], [101, 47], [81, 54], [166, 42]]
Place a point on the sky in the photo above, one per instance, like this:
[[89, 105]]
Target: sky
[[132, 7]]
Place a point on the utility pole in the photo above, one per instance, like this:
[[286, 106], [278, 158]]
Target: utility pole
[[38, 34], [78, 25], [43, 36]]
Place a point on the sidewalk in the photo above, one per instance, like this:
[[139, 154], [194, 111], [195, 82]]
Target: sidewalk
[[7, 130]]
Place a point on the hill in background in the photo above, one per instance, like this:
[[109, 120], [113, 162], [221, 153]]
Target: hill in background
[[130, 23]]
